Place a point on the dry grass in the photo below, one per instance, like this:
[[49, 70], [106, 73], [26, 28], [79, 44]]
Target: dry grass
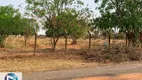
[[114, 53], [15, 57], [39, 63]]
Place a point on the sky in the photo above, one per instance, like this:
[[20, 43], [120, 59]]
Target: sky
[[16, 3]]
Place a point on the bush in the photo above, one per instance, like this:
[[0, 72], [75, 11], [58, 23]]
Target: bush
[[116, 53]]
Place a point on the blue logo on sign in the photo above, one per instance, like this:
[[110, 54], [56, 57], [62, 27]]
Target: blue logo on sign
[[11, 76]]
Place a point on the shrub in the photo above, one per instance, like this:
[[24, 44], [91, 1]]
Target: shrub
[[116, 53]]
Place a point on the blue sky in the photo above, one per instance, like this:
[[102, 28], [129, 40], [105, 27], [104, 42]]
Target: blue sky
[[16, 3]]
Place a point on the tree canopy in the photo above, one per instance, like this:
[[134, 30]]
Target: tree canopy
[[125, 16], [11, 23], [59, 16]]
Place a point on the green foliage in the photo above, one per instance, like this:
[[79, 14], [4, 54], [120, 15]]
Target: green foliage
[[28, 27], [60, 16], [11, 23], [124, 15], [54, 32], [8, 15]]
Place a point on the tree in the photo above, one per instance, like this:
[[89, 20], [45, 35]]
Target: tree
[[32, 13], [82, 24], [106, 24], [76, 23], [132, 21], [55, 14], [127, 16], [27, 28], [109, 19], [9, 18]]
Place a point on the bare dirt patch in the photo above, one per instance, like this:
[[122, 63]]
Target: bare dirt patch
[[135, 76]]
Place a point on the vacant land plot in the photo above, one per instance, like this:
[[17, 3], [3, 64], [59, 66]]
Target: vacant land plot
[[19, 58]]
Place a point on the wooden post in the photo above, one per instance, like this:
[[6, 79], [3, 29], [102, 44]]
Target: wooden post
[[89, 40], [25, 41], [35, 44], [66, 41], [109, 40]]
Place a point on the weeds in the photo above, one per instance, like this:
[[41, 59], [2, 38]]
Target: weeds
[[116, 53]]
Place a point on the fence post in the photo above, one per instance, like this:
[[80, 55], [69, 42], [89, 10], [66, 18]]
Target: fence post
[[90, 35], [35, 44], [66, 41]]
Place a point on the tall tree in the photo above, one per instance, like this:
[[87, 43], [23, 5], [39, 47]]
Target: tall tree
[[106, 24], [57, 15], [9, 22], [27, 28], [127, 16]]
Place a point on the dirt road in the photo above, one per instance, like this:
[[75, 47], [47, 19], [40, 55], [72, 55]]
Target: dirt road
[[92, 72], [134, 76]]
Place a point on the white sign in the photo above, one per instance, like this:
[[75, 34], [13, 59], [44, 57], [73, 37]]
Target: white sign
[[10, 76]]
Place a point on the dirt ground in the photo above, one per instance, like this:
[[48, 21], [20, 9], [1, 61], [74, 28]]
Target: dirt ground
[[16, 57], [125, 71], [135, 76]]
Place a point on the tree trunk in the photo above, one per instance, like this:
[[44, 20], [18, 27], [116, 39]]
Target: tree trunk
[[2, 44], [35, 44], [126, 40], [89, 41], [2, 39], [74, 40], [66, 42], [54, 43]]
